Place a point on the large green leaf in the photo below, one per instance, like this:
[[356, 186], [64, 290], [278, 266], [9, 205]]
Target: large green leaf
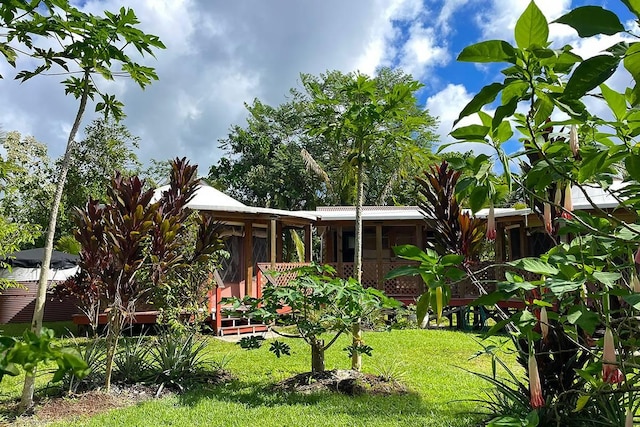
[[405, 270], [532, 28], [633, 300], [607, 278], [489, 51], [589, 74], [422, 306], [591, 20], [632, 163], [592, 164], [615, 100], [633, 5], [632, 61], [543, 108], [486, 96], [535, 265], [559, 287], [504, 111], [583, 317], [471, 132], [478, 198]]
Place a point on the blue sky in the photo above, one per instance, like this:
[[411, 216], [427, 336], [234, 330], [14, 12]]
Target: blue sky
[[221, 54]]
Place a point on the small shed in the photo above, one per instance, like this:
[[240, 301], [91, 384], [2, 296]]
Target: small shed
[[17, 304]]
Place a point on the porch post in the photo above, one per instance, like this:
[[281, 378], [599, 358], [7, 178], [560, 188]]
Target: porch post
[[339, 244], [379, 256], [272, 246], [419, 242], [307, 243], [248, 258], [523, 241], [278, 241]]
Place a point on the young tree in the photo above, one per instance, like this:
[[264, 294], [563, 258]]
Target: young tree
[[369, 119], [316, 303], [89, 45]]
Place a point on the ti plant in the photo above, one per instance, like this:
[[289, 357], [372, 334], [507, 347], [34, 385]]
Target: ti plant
[[315, 303], [132, 248]]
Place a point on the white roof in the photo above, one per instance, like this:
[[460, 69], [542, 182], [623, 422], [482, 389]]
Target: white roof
[[603, 199], [500, 212], [600, 197], [369, 213], [208, 198]]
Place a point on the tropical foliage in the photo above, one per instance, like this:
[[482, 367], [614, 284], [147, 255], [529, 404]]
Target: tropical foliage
[[276, 161], [132, 253], [576, 336], [315, 303]]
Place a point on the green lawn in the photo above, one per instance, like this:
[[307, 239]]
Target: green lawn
[[431, 362]]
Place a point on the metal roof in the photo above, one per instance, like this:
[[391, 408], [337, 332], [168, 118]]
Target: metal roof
[[600, 197], [369, 213]]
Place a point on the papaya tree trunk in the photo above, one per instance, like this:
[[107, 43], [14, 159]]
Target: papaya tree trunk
[[356, 357], [26, 400], [317, 356]]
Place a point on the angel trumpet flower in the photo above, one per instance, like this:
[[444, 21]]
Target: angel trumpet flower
[[635, 283], [544, 323], [491, 224], [610, 372], [535, 388], [547, 218], [628, 422], [568, 202], [573, 140]]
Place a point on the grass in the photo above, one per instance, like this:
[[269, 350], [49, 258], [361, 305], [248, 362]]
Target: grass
[[61, 329], [432, 363]]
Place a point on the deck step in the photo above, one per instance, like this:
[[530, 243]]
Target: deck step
[[240, 325]]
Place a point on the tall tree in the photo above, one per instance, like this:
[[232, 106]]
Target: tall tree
[[371, 120], [273, 160], [28, 189], [13, 234], [108, 147], [90, 45]]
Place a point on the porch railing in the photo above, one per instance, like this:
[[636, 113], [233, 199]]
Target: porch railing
[[405, 288]]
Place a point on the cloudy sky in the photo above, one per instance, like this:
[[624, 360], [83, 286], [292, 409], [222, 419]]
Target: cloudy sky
[[221, 54]]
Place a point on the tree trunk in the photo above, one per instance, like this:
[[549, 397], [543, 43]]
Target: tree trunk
[[26, 400], [356, 357], [113, 333], [317, 356]]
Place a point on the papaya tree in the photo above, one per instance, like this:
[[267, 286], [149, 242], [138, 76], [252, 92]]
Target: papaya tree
[[368, 119], [315, 303]]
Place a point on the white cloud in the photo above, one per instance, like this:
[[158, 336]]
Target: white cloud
[[421, 51], [499, 20], [446, 105]]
